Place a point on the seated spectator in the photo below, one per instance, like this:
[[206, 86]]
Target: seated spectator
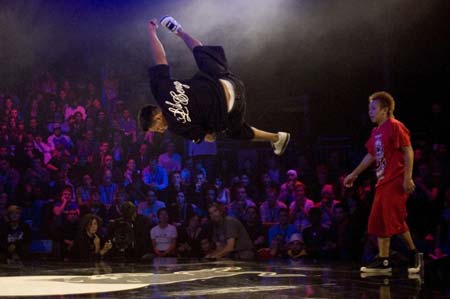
[[108, 164], [207, 246], [250, 188], [70, 227], [280, 233], [210, 196], [295, 247], [223, 193], [175, 186], [150, 207], [15, 236], [84, 193], [107, 189], [164, 236], [181, 211], [115, 212], [154, 176], [130, 235], [59, 138], [73, 107], [300, 202], [190, 237], [317, 238], [66, 201], [170, 160], [271, 206], [230, 236], [327, 203], [287, 190], [197, 190], [127, 125], [88, 247], [9, 178], [340, 233], [255, 228], [239, 204]]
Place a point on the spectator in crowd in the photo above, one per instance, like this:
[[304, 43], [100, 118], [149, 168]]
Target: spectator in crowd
[[42, 146], [108, 164], [107, 189], [88, 246], [9, 178], [295, 248], [164, 236], [271, 206], [326, 204], [280, 233], [230, 236], [128, 126], [255, 228], [318, 243], [175, 186], [84, 193], [130, 235], [190, 237], [154, 176], [58, 138], [181, 210], [300, 202], [15, 236], [223, 193], [150, 206], [114, 211], [287, 189], [239, 204], [170, 160]]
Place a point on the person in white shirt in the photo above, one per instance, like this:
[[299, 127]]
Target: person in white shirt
[[164, 236]]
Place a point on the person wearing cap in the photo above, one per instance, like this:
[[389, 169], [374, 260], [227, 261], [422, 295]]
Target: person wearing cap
[[287, 188], [295, 247], [211, 102], [15, 236]]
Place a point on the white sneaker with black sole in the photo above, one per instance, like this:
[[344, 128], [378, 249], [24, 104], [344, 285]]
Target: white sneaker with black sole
[[280, 146], [170, 23]]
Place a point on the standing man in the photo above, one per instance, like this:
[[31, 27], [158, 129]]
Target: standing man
[[390, 147], [211, 102]]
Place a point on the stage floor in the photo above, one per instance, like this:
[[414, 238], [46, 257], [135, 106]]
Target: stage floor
[[169, 278]]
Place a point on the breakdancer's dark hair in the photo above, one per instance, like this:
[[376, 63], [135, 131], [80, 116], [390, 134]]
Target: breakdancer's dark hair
[[146, 116]]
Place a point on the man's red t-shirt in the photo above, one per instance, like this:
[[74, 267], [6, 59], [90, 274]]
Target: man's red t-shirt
[[385, 145]]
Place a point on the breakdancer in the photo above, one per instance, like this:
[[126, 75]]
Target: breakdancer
[[390, 147], [211, 102]]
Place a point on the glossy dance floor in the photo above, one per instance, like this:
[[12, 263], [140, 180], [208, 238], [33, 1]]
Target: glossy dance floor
[[169, 278]]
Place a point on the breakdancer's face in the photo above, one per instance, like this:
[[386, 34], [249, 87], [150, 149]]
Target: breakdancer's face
[[160, 123], [377, 114]]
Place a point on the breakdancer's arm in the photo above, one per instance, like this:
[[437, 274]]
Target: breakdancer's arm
[[156, 48], [190, 41]]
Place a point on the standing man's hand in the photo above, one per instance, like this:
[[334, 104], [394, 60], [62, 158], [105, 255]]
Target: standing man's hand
[[349, 180], [408, 185], [152, 25]]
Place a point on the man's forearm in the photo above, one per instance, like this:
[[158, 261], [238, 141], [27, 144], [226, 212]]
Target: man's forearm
[[409, 161], [156, 49], [366, 162]]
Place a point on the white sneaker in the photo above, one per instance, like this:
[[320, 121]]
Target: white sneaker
[[280, 146], [170, 23]]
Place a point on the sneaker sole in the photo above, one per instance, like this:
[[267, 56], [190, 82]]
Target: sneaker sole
[[286, 142], [369, 270], [414, 270]]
